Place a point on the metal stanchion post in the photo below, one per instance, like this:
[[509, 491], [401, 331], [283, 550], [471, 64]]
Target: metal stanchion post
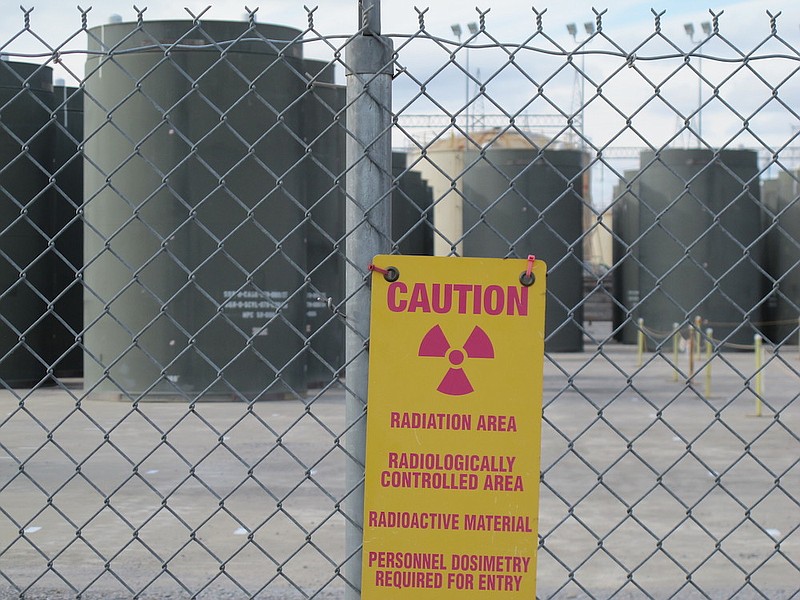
[[757, 343], [640, 343], [709, 336], [691, 357], [370, 68], [698, 332], [676, 348]]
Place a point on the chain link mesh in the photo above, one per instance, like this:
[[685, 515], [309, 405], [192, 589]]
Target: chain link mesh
[[172, 304]]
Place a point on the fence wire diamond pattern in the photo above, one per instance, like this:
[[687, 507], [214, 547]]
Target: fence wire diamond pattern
[[173, 241]]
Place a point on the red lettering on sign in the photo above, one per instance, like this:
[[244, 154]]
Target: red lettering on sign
[[419, 299], [503, 483], [462, 297], [517, 301], [393, 456], [442, 298], [476, 299], [391, 296], [461, 289], [497, 423], [493, 300]]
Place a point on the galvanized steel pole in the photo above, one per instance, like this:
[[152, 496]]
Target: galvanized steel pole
[[369, 60]]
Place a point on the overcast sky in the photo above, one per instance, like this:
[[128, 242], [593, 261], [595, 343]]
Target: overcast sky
[[747, 92], [395, 12], [742, 21]]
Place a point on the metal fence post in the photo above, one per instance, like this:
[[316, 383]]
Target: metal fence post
[[368, 219]]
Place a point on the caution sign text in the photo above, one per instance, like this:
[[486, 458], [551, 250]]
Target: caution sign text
[[454, 428]]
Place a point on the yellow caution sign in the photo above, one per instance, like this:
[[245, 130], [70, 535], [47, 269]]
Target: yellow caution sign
[[453, 428]]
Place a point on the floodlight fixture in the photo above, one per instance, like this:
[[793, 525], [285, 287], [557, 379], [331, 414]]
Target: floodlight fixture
[[572, 30]]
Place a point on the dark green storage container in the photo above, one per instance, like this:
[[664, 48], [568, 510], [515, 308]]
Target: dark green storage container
[[64, 347], [520, 202], [625, 225], [412, 229], [26, 139], [194, 238], [700, 222], [782, 222], [324, 133]]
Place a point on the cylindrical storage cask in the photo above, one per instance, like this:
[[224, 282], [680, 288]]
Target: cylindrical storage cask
[[324, 134], [529, 201], [26, 140], [412, 228], [194, 211], [782, 223], [64, 346], [626, 257], [700, 249]]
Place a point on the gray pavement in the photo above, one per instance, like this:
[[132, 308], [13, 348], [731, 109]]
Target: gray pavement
[[650, 488]]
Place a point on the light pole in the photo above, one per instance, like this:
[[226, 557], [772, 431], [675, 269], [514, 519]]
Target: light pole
[[689, 29], [572, 29], [457, 31], [580, 89]]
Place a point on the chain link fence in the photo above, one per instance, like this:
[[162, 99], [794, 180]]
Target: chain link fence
[[185, 230]]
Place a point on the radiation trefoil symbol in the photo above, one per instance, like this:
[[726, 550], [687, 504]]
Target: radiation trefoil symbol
[[455, 382]]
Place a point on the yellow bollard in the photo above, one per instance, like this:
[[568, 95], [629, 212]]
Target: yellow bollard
[[709, 337], [676, 348], [698, 341], [758, 377], [691, 357], [640, 343]]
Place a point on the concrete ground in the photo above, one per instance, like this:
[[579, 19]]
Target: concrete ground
[[650, 488]]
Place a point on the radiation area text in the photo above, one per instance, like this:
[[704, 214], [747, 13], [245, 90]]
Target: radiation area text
[[452, 421]]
